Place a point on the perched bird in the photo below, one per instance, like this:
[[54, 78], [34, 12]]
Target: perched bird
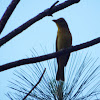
[[64, 40]]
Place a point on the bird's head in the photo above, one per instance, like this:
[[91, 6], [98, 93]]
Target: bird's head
[[60, 23]]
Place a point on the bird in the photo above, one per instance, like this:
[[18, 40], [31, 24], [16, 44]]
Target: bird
[[63, 40]]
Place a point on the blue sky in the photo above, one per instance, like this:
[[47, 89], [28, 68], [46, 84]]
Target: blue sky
[[83, 20]]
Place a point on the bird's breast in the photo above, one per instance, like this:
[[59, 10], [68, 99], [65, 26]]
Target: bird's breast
[[64, 41]]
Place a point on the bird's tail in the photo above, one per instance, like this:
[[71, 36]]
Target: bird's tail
[[60, 74]]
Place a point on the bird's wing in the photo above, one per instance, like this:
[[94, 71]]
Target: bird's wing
[[65, 57]]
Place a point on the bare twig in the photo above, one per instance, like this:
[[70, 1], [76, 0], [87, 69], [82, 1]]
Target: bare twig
[[54, 4], [7, 14], [35, 19], [35, 85], [51, 8], [49, 56]]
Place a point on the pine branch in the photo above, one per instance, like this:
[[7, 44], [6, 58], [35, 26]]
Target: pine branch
[[7, 14], [49, 56], [35, 85]]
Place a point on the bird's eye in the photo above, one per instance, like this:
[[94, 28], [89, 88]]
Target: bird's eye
[[60, 21]]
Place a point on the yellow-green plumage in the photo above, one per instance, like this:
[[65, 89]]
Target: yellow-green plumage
[[64, 40]]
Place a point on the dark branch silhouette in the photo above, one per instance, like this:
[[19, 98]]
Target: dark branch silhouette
[[7, 14], [47, 12], [35, 85], [49, 56]]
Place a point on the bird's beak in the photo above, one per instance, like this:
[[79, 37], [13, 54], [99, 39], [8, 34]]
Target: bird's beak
[[54, 21]]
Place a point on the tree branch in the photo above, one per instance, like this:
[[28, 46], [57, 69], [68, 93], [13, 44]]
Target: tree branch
[[7, 14], [47, 12], [49, 56], [35, 85], [52, 7]]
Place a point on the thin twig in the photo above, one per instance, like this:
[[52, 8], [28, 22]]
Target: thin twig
[[35, 85], [51, 8], [7, 14], [49, 56], [54, 4], [47, 12]]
